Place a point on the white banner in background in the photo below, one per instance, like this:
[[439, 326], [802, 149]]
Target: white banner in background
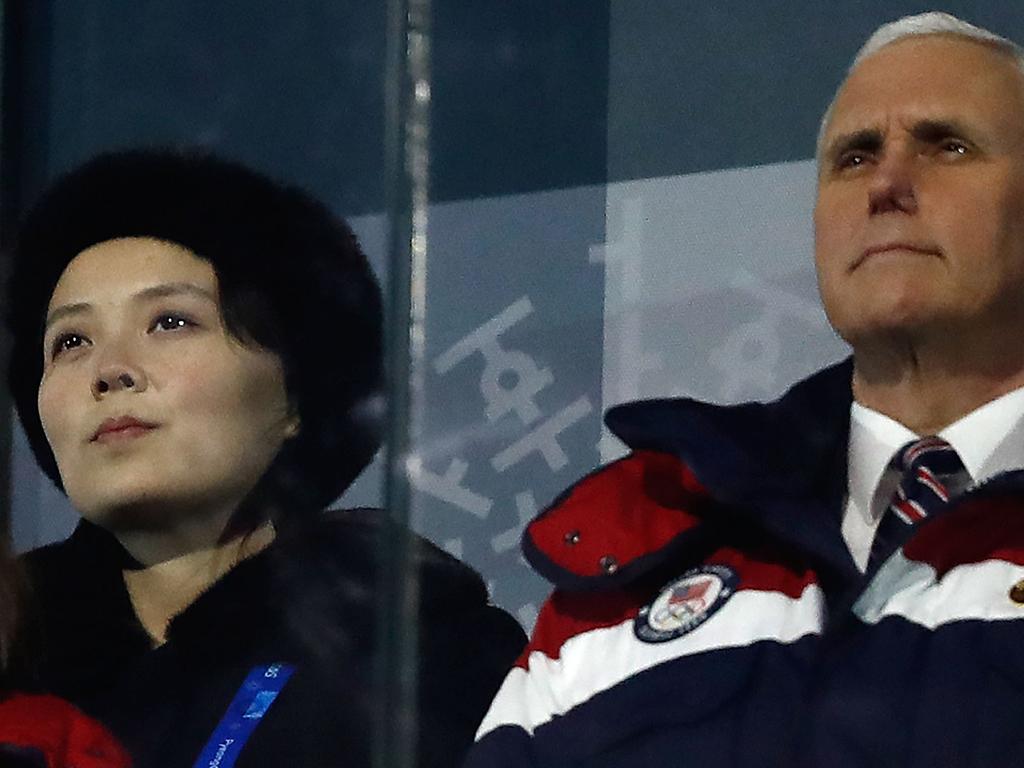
[[709, 287]]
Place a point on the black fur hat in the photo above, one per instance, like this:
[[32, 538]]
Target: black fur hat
[[292, 278]]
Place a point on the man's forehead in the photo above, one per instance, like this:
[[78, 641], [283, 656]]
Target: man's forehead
[[926, 77]]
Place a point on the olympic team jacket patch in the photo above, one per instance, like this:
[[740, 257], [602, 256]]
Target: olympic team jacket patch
[[685, 603]]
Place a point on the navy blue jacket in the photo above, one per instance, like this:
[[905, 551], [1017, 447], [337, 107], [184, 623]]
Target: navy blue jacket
[[707, 611]]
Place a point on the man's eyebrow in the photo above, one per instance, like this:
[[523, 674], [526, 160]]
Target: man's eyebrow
[[936, 130], [865, 140], [161, 291]]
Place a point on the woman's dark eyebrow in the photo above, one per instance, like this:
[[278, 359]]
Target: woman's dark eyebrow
[[153, 292], [66, 310], [174, 289]]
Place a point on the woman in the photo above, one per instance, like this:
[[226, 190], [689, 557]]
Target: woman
[[196, 363]]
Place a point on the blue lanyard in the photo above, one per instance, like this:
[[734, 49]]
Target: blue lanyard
[[243, 715]]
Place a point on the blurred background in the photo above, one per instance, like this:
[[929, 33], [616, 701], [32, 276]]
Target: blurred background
[[619, 204]]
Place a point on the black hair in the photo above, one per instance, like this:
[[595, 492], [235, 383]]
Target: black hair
[[292, 279]]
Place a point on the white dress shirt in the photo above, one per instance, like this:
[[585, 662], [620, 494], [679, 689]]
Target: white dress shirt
[[989, 440]]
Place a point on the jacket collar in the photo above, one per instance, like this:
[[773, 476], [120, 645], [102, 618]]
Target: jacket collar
[[307, 594], [222, 615], [782, 465]]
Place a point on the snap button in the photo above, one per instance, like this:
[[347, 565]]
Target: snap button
[[1017, 592], [572, 537], [609, 564]]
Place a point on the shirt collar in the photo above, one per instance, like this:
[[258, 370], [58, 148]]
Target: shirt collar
[[989, 440], [874, 439]]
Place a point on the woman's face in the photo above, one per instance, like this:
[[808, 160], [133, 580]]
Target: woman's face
[[156, 415]]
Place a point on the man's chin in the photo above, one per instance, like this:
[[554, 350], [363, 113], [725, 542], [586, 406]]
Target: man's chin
[[892, 322]]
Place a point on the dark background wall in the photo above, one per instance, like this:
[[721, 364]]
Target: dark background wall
[[702, 86], [296, 88]]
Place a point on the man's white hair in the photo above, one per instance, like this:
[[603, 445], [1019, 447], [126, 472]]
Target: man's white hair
[[931, 23]]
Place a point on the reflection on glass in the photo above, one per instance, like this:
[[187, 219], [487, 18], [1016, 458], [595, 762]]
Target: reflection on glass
[[198, 364]]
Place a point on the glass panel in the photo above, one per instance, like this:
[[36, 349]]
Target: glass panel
[[512, 388], [627, 217], [633, 221], [569, 205], [296, 92]]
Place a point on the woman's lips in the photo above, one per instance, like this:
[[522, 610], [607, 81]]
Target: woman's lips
[[122, 428]]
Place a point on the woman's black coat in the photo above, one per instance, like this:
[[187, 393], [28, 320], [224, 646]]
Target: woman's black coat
[[308, 599]]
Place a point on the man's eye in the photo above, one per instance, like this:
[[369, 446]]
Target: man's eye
[[65, 342], [170, 322], [954, 147], [851, 160]]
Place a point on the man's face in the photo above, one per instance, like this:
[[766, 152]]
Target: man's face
[[919, 221]]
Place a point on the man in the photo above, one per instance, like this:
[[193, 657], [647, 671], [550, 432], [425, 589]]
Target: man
[[836, 578]]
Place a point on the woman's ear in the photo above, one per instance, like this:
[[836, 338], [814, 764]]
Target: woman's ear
[[292, 422]]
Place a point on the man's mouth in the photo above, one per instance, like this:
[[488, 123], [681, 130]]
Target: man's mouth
[[894, 247]]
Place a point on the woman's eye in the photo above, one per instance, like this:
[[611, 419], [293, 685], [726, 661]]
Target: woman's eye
[[170, 322], [65, 342]]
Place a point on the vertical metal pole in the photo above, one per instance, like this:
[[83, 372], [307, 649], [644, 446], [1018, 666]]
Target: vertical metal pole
[[407, 166]]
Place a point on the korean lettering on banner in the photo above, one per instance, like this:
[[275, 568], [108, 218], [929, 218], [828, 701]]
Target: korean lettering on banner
[[510, 383]]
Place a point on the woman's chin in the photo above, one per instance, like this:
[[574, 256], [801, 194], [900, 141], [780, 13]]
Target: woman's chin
[[140, 511]]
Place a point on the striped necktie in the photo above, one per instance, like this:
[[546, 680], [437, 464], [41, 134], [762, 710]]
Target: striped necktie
[[932, 473]]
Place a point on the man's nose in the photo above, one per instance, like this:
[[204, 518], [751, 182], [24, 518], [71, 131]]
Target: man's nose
[[892, 188], [118, 370]]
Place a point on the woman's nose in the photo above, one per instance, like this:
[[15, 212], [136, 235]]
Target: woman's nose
[[113, 377]]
